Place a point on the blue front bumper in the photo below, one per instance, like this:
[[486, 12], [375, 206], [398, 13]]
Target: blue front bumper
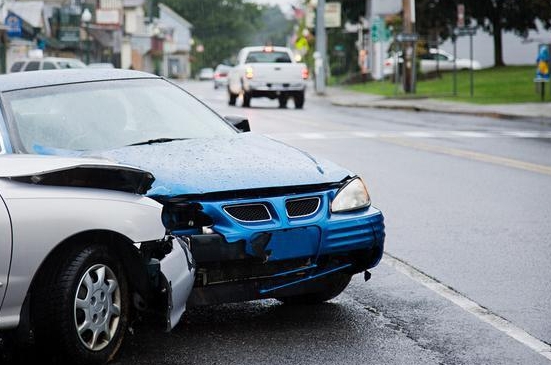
[[319, 234]]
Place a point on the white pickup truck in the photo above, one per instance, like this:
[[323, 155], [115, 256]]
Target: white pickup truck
[[267, 72]]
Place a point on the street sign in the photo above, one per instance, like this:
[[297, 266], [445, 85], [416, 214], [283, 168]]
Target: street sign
[[14, 24], [460, 16], [332, 15], [407, 37], [464, 31], [378, 30]]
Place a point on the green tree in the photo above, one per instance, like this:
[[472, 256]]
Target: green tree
[[519, 16], [222, 27], [435, 18], [275, 27], [493, 16]]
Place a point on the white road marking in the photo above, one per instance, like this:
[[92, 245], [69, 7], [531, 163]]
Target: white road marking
[[411, 134], [471, 134], [485, 315], [313, 135], [364, 134], [420, 134]]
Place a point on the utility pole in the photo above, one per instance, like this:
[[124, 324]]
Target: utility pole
[[409, 49], [321, 41], [367, 38]]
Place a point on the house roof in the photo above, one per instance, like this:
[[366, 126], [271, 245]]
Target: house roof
[[171, 13], [29, 11]]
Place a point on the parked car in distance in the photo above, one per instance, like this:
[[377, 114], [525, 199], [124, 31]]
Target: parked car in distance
[[206, 74], [221, 76], [80, 251], [101, 65], [264, 219], [434, 59], [270, 72], [47, 63]]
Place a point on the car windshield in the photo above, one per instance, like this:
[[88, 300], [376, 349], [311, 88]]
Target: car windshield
[[106, 115]]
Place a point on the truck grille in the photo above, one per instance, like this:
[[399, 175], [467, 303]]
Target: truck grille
[[303, 207], [249, 212]]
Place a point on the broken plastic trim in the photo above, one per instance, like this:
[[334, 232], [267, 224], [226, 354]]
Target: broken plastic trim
[[310, 277], [118, 178]]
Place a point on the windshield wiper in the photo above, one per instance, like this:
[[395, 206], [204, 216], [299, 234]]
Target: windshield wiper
[[157, 140]]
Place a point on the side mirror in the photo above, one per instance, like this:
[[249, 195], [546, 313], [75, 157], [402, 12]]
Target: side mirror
[[241, 123]]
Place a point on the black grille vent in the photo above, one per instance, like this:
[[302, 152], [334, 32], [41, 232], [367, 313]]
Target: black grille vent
[[249, 212], [302, 207]]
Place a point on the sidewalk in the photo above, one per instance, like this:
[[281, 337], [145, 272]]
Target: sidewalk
[[341, 97]]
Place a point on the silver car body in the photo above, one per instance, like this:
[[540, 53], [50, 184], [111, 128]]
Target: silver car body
[[35, 218]]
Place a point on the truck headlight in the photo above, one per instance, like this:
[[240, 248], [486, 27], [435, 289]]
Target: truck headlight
[[352, 196]]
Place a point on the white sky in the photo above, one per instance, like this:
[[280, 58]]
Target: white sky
[[284, 4]]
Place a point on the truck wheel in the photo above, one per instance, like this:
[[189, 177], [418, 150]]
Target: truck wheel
[[233, 97], [246, 99], [299, 100], [282, 101], [335, 284], [81, 313]]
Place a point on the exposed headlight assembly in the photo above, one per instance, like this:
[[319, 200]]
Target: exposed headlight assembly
[[352, 196]]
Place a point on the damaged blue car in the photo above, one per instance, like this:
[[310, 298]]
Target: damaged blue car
[[263, 219]]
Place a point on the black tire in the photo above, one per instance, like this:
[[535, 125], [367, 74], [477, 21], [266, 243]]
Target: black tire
[[335, 284], [246, 99], [282, 99], [233, 97], [76, 296], [299, 100]]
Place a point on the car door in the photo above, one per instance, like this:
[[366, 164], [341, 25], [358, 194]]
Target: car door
[[5, 248]]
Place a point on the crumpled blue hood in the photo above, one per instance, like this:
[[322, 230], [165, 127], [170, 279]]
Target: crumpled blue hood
[[246, 161]]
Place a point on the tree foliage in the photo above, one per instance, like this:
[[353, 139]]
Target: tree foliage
[[519, 16], [222, 27], [438, 17], [274, 28]]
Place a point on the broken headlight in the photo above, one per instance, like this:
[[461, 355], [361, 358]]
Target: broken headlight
[[351, 196]]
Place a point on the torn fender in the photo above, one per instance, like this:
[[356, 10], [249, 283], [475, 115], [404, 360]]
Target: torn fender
[[75, 172]]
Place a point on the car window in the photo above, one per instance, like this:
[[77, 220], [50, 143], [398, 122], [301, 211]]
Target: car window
[[107, 114], [32, 66], [260, 57], [70, 64], [16, 67], [48, 66]]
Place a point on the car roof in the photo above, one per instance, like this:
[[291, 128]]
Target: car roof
[[32, 79]]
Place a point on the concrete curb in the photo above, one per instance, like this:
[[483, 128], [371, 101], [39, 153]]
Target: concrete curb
[[536, 112]]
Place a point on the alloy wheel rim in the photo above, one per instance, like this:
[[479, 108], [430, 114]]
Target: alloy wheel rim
[[97, 307]]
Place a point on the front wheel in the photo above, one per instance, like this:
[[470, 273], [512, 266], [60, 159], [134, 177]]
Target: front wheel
[[233, 97], [246, 99], [81, 314], [334, 285], [282, 99], [299, 100]]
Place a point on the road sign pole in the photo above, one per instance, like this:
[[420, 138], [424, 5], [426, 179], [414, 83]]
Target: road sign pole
[[320, 48], [471, 73], [407, 53], [454, 65]]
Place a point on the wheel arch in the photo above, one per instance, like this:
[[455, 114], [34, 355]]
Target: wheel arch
[[121, 245]]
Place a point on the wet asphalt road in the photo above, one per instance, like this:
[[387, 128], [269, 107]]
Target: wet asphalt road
[[467, 201]]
